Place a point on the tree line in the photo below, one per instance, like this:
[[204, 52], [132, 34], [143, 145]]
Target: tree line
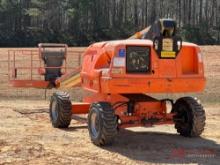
[[81, 22]]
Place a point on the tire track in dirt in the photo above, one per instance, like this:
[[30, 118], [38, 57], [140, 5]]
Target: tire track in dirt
[[27, 138]]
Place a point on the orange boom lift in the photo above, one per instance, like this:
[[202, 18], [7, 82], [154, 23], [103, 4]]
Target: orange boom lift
[[120, 74]]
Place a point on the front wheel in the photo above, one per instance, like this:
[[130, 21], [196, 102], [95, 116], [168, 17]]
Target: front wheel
[[189, 117], [60, 110], [102, 123]]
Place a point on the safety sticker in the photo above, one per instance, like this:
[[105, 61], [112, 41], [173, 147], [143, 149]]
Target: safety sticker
[[121, 53]]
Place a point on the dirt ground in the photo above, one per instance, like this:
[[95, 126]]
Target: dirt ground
[[27, 137]]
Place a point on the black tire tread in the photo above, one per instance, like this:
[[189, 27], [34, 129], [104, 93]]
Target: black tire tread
[[109, 126], [64, 110], [198, 118]]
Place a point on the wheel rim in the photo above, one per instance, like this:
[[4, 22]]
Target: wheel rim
[[95, 127], [54, 112]]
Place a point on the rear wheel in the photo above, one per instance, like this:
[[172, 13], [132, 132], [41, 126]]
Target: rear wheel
[[189, 117], [102, 123], [60, 110]]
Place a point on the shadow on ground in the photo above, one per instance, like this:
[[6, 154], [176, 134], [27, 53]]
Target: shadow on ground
[[154, 147]]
